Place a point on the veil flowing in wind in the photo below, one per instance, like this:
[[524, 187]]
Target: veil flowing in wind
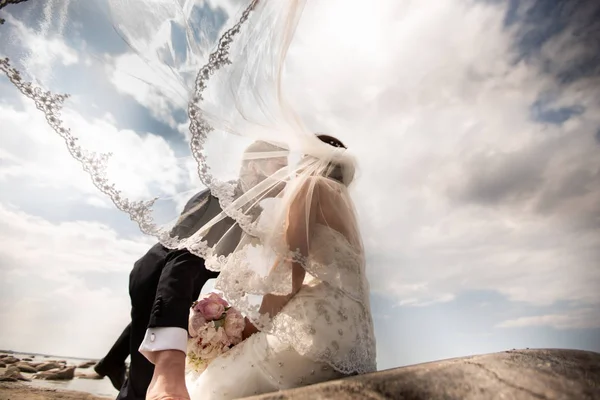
[[244, 142]]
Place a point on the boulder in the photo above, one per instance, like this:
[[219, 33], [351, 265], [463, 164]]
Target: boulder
[[12, 374], [47, 366], [10, 360], [25, 367], [28, 359], [58, 361], [88, 375], [87, 364], [2, 365], [519, 374], [63, 374]]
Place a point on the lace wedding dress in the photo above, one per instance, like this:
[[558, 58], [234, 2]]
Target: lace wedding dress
[[324, 332]]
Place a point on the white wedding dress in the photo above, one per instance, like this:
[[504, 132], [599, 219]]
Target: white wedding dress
[[321, 334]]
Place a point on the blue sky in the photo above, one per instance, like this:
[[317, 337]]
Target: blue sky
[[475, 124]]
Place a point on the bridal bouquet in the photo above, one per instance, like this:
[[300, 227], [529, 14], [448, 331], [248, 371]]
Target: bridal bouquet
[[214, 328]]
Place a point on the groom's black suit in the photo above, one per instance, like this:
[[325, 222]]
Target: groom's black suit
[[162, 286]]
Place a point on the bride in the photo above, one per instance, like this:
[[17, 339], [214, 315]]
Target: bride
[[320, 325], [313, 321], [297, 270]]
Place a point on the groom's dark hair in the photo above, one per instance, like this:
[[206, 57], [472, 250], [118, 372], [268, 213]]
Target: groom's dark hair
[[334, 171]]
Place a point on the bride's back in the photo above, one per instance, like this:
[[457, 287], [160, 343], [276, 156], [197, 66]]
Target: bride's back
[[336, 211]]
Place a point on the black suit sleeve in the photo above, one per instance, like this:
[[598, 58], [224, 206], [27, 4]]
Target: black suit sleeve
[[184, 274], [180, 283]]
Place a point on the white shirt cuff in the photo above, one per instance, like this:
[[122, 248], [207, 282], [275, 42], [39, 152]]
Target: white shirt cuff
[[159, 339]]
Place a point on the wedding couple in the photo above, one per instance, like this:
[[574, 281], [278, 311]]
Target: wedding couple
[[282, 241], [321, 328]]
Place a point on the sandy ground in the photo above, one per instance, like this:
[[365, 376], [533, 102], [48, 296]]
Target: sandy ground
[[19, 391]]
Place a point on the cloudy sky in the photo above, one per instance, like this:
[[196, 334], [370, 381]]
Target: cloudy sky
[[476, 124]]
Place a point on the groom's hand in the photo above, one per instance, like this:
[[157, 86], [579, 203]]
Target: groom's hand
[[168, 381]]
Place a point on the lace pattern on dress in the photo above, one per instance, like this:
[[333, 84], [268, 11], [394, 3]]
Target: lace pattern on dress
[[328, 320]]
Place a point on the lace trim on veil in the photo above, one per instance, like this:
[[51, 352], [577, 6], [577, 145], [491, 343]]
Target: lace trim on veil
[[360, 360], [200, 128], [95, 164]]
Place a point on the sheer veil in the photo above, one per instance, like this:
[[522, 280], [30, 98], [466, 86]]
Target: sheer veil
[[273, 177]]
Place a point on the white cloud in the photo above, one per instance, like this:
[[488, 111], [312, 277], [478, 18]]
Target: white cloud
[[45, 51], [150, 84], [72, 320], [48, 304], [56, 299], [140, 162], [36, 153], [416, 302], [32, 239], [429, 97], [231, 7], [576, 319], [159, 74]]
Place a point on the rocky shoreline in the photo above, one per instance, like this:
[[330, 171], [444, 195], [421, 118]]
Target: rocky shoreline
[[22, 377], [13, 368], [551, 374]]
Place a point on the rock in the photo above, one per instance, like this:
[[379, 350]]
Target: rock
[[12, 374], [25, 367], [10, 360], [47, 366], [2, 365], [3, 356], [88, 375], [28, 359], [58, 361], [87, 364], [64, 374], [520, 374]]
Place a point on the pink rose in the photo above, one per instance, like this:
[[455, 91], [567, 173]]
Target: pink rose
[[211, 307], [196, 323], [234, 324]]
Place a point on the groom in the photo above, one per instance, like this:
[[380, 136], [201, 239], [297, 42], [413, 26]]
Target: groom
[[163, 285]]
